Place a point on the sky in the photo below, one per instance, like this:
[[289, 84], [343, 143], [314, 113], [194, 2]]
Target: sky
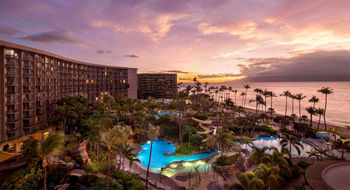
[[215, 40]]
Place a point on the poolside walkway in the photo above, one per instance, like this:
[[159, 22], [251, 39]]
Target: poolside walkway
[[313, 174], [158, 181]]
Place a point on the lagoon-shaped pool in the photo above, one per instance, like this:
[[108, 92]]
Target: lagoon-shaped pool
[[261, 142], [159, 159]]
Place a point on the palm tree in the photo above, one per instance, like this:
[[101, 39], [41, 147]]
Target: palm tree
[[48, 147], [315, 154], [271, 95], [258, 100], [312, 112], [205, 87], [334, 130], [235, 92], [258, 90], [340, 144], [127, 152], [299, 97], [278, 158], [325, 91], [225, 139], [108, 101], [113, 139], [248, 181], [259, 155], [270, 176], [223, 88], [291, 141], [292, 96], [304, 118], [243, 94], [229, 91], [246, 92], [152, 133], [319, 112], [314, 100], [266, 94], [286, 94]]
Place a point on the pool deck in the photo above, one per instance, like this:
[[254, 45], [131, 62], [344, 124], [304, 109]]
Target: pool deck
[[313, 174]]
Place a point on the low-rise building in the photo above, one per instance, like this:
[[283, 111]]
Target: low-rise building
[[156, 85]]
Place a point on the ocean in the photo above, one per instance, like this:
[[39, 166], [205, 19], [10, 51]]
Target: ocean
[[338, 106]]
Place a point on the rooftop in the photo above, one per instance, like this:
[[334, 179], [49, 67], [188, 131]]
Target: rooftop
[[26, 48]]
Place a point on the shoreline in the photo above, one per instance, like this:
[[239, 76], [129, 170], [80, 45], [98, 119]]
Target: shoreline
[[341, 129]]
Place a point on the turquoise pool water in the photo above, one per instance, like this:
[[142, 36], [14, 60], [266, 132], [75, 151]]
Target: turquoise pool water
[[275, 142], [160, 160], [164, 113]]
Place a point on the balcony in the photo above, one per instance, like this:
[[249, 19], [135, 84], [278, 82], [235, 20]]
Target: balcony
[[28, 107], [11, 73], [28, 99], [11, 83], [28, 115], [11, 129], [12, 120], [11, 64], [27, 90], [12, 91], [11, 100], [40, 105], [13, 110], [27, 73], [27, 83], [27, 58]]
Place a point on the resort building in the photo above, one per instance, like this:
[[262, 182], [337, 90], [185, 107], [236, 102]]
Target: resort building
[[31, 82], [156, 85]]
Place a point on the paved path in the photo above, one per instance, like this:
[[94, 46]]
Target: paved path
[[154, 178], [228, 154], [313, 174], [84, 155]]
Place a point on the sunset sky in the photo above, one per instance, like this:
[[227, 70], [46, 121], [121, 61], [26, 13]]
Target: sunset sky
[[216, 40]]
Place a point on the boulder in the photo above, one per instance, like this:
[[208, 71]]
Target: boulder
[[168, 153]]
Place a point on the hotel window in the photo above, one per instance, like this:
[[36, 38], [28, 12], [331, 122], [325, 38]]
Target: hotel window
[[11, 52]]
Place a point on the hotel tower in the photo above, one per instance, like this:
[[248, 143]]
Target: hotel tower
[[31, 82]]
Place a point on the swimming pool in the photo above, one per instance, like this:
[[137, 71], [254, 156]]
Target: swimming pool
[[164, 113], [261, 142], [159, 159]]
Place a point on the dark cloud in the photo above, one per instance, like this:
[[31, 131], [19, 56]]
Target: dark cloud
[[53, 37], [7, 30], [220, 75], [312, 64], [101, 51], [176, 71], [131, 56]]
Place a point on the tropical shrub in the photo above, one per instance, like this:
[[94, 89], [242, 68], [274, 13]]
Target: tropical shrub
[[55, 176], [101, 184], [226, 160], [310, 133], [11, 181], [184, 149], [196, 140], [266, 128], [128, 181], [169, 130], [29, 181]]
